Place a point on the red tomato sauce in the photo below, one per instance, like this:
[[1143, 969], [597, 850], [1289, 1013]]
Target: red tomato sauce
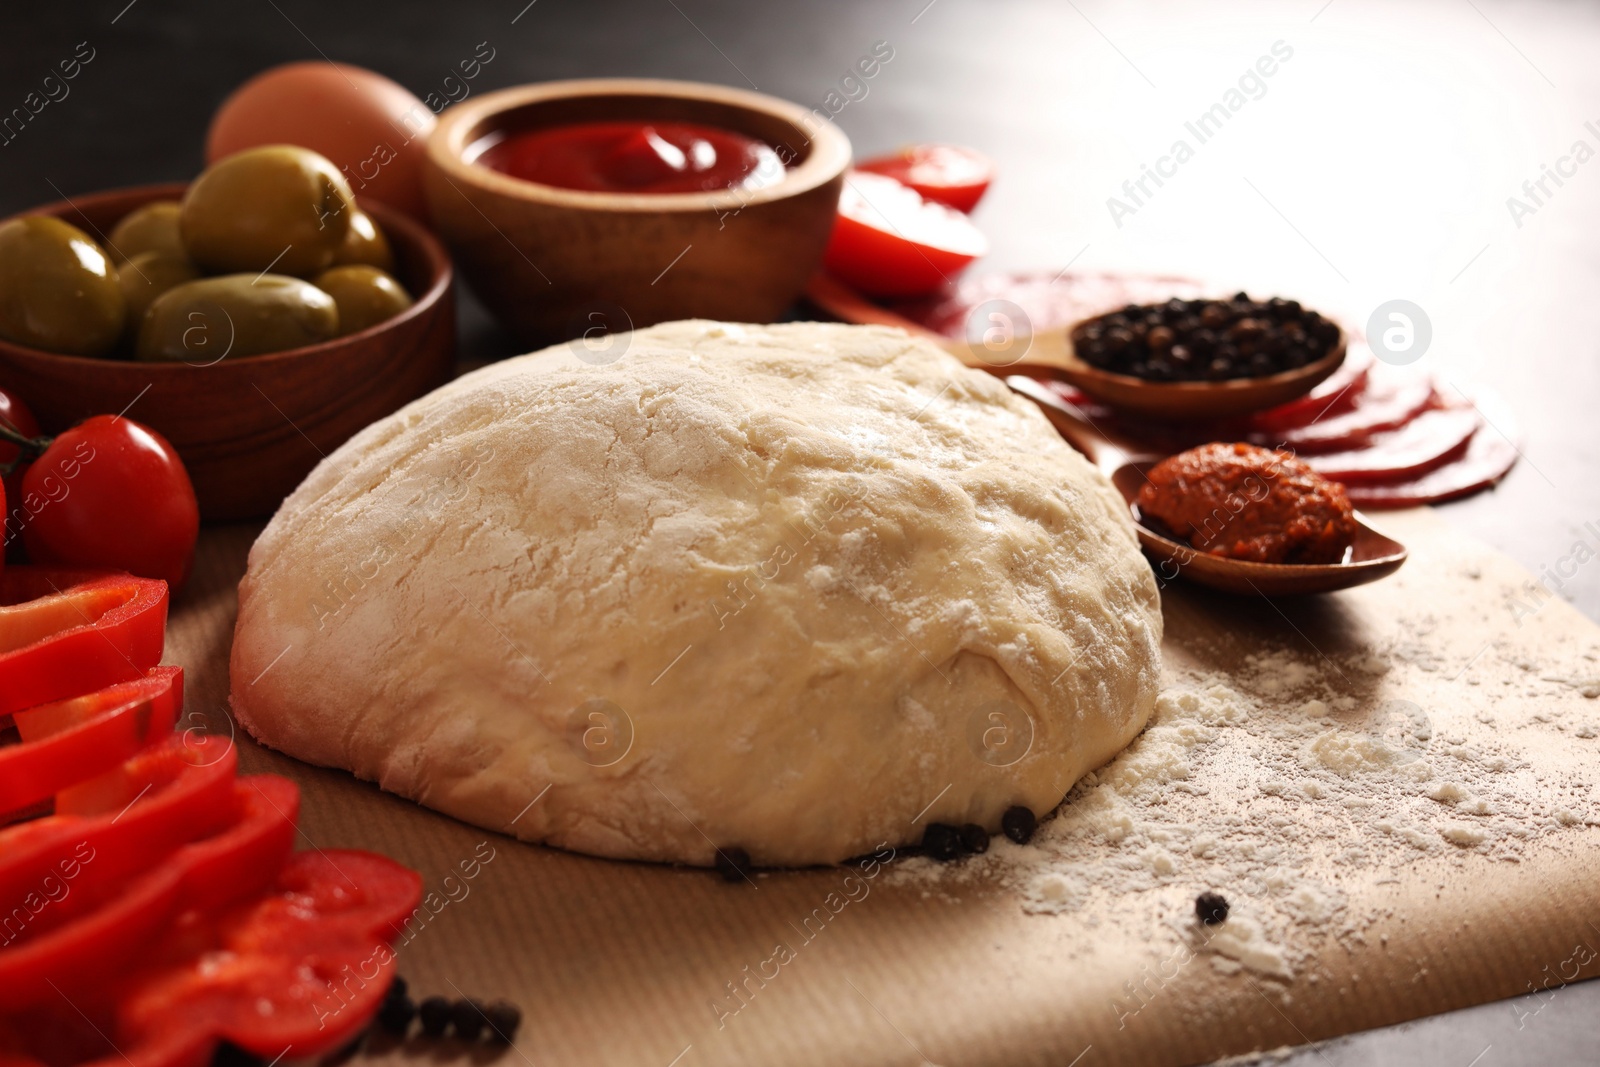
[[636, 157], [1244, 502]]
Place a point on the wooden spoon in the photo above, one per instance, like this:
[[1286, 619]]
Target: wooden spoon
[[1194, 401], [1373, 555]]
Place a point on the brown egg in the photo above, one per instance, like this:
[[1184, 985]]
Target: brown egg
[[373, 129]]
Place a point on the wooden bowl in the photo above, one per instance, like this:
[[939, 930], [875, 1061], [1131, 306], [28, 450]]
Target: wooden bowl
[[1189, 401], [553, 263], [251, 427]]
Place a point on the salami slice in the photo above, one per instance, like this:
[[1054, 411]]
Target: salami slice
[[1335, 394], [1492, 452], [1391, 398], [1428, 441], [1048, 299]]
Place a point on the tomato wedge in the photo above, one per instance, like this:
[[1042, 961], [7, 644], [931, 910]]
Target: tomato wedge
[[68, 741], [947, 174], [890, 242], [64, 633]]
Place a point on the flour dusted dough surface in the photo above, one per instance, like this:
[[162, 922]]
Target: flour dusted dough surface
[[765, 587]]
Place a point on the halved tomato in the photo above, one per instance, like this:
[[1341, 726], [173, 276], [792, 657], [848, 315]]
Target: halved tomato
[[888, 241], [948, 174]]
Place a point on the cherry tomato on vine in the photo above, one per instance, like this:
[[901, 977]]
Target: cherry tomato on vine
[[14, 416], [112, 493]]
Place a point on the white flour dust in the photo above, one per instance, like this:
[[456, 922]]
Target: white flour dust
[[1271, 786]]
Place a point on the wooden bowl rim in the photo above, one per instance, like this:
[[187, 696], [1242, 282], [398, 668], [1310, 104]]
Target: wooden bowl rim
[[829, 158], [1315, 372], [393, 220]]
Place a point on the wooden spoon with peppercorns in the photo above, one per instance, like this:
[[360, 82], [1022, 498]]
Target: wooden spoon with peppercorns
[[1201, 359], [1368, 556]]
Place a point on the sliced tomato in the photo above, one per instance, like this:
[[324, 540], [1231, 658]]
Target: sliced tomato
[[947, 174], [67, 741], [65, 632], [890, 242]]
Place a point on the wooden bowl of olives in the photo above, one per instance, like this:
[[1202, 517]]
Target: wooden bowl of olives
[[252, 374]]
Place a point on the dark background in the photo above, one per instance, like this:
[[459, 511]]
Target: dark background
[[1377, 165]]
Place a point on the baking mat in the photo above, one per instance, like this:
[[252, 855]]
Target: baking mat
[[902, 963]]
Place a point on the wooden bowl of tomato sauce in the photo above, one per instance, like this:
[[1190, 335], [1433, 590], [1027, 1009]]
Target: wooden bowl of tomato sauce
[[250, 428], [555, 262]]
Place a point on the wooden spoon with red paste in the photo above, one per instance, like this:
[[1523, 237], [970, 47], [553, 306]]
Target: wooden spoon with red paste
[[1267, 526]]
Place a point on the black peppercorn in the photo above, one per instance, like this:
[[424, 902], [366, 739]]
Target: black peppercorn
[[396, 1014], [230, 1055], [974, 838], [1211, 908], [941, 842], [435, 1013], [397, 988], [733, 864], [1218, 339], [1018, 823], [468, 1018], [503, 1021]]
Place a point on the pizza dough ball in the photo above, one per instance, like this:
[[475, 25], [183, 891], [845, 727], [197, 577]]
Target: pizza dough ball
[[799, 589]]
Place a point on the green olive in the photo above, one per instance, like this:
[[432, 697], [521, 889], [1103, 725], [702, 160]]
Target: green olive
[[148, 275], [277, 207], [366, 296], [208, 320], [152, 228], [364, 243], [58, 291]]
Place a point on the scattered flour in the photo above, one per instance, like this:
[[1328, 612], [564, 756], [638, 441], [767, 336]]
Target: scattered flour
[[1275, 786]]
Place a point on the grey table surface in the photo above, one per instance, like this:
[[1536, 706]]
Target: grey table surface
[[1385, 158]]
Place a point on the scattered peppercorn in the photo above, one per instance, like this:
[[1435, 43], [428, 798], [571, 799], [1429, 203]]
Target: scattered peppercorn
[[396, 1014], [974, 838], [941, 842], [397, 988], [231, 1055], [435, 1013], [733, 864], [1197, 340], [1211, 908], [1019, 823], [503, 1021], [468, 1017]]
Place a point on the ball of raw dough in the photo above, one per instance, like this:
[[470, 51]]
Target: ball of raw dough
[[800, 589]]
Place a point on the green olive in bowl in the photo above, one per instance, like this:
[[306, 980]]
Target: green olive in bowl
[[58, 290], [364, 244], [203, 322], [366, 296], [151, 228], [146, 276], [277, 207]]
